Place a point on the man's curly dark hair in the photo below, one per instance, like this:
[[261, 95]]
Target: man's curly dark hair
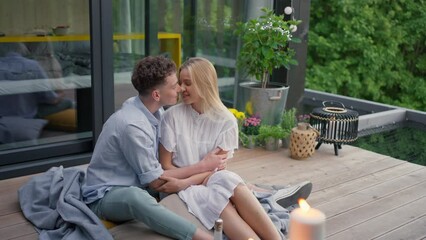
[[150, 72]]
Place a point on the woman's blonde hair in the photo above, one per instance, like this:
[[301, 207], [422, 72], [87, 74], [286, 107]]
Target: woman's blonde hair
[[204, 79]]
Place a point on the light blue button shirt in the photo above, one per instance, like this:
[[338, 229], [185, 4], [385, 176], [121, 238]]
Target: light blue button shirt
[[126, 153]]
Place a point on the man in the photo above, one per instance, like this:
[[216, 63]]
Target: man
[[125, 159]]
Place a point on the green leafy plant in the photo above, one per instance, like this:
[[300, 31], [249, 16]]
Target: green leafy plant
[[375, 52], [265, 45], [274, 131], [288, 119], [245, 139]]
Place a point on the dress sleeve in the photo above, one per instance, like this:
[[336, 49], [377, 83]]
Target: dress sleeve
[[228, 138], [168, 133]]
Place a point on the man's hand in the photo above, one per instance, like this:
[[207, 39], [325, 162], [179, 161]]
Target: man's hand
[[171, 185], [156, 183], [215, 159]]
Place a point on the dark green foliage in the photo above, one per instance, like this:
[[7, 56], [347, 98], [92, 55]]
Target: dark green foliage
[[374, 50], [403, 143]]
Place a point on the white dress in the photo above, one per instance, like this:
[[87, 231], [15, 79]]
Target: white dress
[[190, 136]]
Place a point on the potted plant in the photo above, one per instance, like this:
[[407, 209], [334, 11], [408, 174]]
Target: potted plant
[[270, 136], [248, 128], [288, 122], [249, 131], [264, 48], [303, 121], [240, 116]]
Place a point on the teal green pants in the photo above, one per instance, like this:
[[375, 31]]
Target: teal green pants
[[132, 203]]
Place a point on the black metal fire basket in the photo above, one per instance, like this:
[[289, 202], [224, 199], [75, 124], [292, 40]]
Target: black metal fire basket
[[336, 125]]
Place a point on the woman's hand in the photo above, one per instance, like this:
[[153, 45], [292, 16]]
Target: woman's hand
[[215, 159], [222, 166]]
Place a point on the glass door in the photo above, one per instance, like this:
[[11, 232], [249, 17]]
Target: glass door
[[183, 29], [128, 45], [45, 75]]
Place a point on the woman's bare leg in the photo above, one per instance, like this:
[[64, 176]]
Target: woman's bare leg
[[253, 214], [234, 226]]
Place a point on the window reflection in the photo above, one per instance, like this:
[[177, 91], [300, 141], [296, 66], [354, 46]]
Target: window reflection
[[45, 74], [22, 111], [207, 33], [129, 45]]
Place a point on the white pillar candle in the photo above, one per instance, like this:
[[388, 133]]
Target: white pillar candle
[[307, 223]]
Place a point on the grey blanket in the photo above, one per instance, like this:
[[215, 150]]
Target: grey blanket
[[53, 202], [279, 215]]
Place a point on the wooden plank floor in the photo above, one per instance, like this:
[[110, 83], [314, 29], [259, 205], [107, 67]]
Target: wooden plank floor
[[363, 194]]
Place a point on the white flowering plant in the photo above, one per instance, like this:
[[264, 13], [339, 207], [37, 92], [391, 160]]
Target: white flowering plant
[[265, 45]]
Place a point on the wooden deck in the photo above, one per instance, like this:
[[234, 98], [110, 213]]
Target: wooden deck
[[363, 194]]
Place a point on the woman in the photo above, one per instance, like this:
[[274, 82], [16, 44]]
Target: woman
[[192, 129]]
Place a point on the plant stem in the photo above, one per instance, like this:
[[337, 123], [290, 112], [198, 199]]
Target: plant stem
[[265, 78]]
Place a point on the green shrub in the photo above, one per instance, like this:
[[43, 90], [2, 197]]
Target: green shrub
[[274, 131], [288, 119]]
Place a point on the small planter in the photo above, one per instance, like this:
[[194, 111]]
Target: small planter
[[285, 142], [271, 144], [251, 141], [248, 141]]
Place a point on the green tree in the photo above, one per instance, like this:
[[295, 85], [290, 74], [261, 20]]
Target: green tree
[[369, 49]]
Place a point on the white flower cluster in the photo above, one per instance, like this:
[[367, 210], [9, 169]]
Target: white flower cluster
[[272, 33], [268, 26]]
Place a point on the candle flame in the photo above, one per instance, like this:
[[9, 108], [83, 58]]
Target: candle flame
[[304, 205]]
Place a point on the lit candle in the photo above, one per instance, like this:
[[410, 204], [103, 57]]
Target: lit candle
[[307, 223]]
